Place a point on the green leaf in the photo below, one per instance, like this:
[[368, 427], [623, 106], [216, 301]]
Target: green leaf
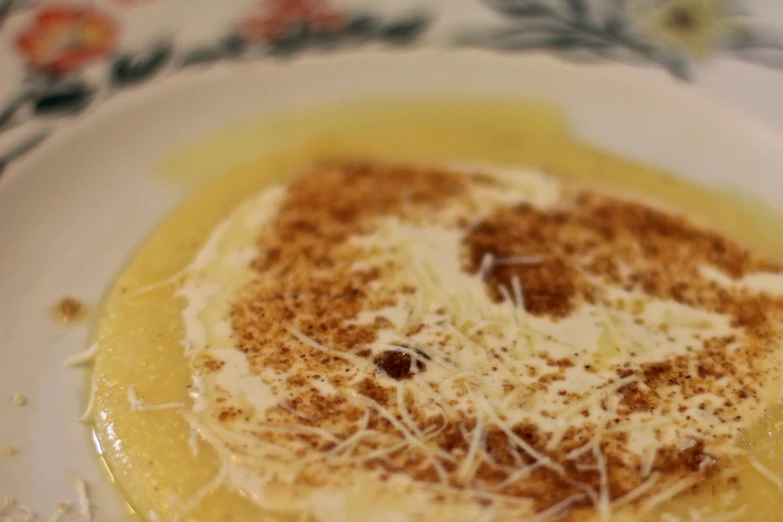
[[578, 9], [362, 26], [405, 30], [326, 40], [229, 47], [614, 25], [295, 39], [201, 56], [5, 9], [130, 69], [521, 8], [556, 42], [8, 112], [69, 99], [233, 45], [565, 41]]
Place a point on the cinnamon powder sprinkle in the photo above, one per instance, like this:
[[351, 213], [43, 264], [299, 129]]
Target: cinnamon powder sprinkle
[[68, 310], [399, 365], [314, 283]]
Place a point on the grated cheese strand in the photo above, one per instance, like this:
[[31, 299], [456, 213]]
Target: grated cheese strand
[[87, 415], [193, 441], [8, 504], [649, 462], [638, 491], [599, 395], [558, 510], [58, 513], [486, 265], [766, 472], [604, 505], [727, 517], [81, 494], [27, 514], [469, 465], [202, 493], [140, 405], [669, 493], [463, 382], [83, 358]]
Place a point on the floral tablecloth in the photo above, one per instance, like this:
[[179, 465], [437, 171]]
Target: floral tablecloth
[[61, 58]]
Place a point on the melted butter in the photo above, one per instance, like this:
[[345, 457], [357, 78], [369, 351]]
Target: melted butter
[[141, 330]]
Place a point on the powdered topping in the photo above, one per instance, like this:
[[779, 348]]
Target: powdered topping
[[485, 344], [68, 310]]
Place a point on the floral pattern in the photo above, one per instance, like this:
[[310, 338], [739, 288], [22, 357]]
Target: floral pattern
[[64, 38], [674, 34], [277, 19], [693, 27], [58, 43]]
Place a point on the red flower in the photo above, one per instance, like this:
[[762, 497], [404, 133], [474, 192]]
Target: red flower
[[277, 16], [64, 38]]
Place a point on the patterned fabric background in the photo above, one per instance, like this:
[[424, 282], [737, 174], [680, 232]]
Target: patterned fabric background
[[58, 59]]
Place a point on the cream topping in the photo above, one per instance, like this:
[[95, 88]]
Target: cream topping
[[473, 357]]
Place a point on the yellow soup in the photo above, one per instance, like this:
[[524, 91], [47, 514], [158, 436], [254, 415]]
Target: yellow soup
[[151, 451]]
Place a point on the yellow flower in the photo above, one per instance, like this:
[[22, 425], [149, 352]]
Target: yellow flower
[[694, 27]]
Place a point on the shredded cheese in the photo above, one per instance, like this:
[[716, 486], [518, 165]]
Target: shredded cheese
[[557, 511], [8, 504], [202, 493], [85, 357], [320, 347], [59, 511], [604, 506], [193, 441], [81, 494], [7, 450], [163, 283], [597, 396], [669, 493], [87, 415], [727, 517], [469, 465], [637, 492], [766, 472], [470, 379], [486, 265], [649, 462], [516, 286], [140, 405], [724, 450]]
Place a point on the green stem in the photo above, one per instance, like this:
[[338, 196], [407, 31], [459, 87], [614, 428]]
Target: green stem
[[597, 32]]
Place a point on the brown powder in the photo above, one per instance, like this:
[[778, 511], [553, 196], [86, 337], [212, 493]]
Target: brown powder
[[68, 310], [311, 285], [399, 365], [592, 234]]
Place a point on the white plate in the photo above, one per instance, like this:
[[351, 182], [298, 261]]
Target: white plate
[[73, 212]]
